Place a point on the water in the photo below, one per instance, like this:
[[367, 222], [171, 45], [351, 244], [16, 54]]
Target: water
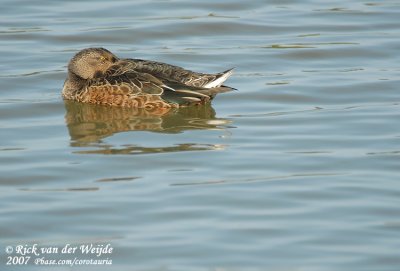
[[297, 170]]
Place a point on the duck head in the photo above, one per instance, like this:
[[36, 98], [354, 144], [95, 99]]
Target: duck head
[[91, 63]]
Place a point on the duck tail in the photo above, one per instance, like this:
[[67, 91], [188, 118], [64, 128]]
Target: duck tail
[[220, 78]]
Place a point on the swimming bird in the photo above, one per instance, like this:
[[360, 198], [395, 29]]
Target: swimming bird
[[97, 76]]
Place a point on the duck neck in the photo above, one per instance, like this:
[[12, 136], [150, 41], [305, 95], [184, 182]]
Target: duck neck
[[72, 85]]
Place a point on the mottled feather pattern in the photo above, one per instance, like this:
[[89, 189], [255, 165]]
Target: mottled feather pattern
[[173, 73], [120, 95]]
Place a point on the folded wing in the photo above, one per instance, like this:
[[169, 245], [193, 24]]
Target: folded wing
[[143, 86]]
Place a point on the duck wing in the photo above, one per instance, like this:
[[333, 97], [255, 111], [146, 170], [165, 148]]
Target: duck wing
[[178, 74], [123, 85], [130, 83]]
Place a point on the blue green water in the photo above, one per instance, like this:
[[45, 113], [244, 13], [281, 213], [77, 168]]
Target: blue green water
[[296, 170]]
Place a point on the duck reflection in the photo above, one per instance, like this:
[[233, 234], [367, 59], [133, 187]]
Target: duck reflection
[[88, 124]]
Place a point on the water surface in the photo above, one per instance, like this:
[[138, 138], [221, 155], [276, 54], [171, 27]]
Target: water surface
[[297, 170]]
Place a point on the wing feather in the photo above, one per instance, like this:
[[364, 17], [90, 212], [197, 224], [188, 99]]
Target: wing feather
[[124, 81]]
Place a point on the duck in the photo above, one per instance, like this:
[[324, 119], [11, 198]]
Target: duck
[[97, 76]]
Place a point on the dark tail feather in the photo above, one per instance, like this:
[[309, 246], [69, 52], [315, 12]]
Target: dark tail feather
[[215, 91], [185, 96]]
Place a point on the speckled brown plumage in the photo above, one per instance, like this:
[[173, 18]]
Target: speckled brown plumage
[[97, 76]]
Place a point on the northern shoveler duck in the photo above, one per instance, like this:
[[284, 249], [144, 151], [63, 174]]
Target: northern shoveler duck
[[97, 76]]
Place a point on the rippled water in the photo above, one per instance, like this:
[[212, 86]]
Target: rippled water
[[297, 170]]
